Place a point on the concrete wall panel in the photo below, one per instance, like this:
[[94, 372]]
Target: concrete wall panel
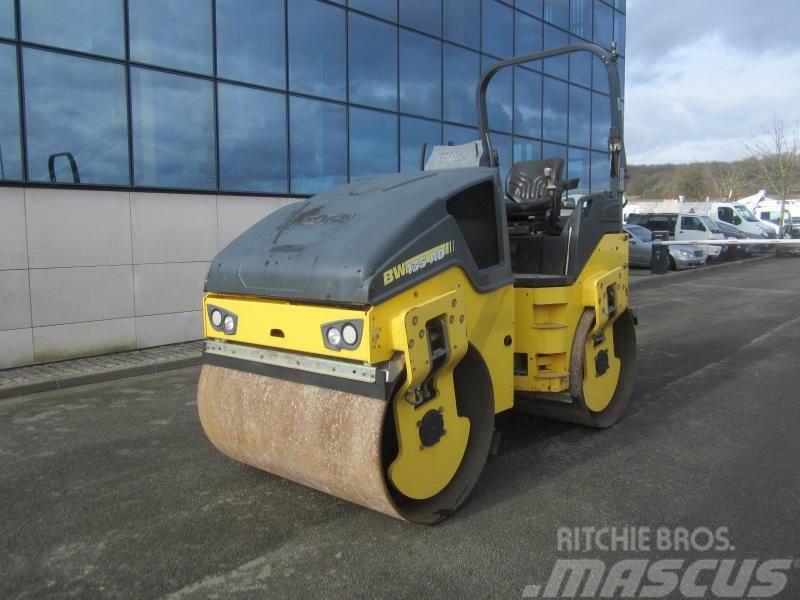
[[16, 348], [78, 294], [70, 228], [173, 227], [59, 342], [169, 287], [15, 300], [13, 234], [157, 330]]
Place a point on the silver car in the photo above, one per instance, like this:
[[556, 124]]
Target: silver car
[[640, 251]]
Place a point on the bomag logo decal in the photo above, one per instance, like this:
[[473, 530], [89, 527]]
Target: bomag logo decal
[[418, 262]]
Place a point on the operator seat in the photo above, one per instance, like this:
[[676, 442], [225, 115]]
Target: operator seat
[[526, 188]]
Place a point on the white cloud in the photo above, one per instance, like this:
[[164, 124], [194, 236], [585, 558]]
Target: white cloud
[[705, 99]]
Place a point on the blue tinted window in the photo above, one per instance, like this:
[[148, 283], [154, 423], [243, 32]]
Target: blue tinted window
[[526, 149], [173, 130], [318, 145], [558, 65], [599, 75], [527, 103], [461, 72], [619, 5], [413, 134], [386, 9], [601, 121], [10, 152], [498, 29], [420, 75], [601, 172], [425, 15], [250, 41], [580, 113], [528, 38], [532, 6], [557, 12], [252, 140], [373, 62], [172, 33], [499, 98], [502, 143], [373, 143], [76, 106], [619, 31], [8, 25], [95, 26], [316, 49], [554, 100], [459, 135], [580, 67], [554, 151], [579, 167], [580, 18], [603, 24], [462, 20]]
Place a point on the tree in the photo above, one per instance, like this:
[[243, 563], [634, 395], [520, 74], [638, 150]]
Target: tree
[[691, 181], [728, 179], [778, 156]]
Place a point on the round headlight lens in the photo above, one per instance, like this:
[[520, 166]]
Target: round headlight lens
[[228, 324], [216, 318], [334, 336], [349, 334]]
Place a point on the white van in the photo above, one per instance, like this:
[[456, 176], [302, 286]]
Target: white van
[[732, 213], [682, 226]]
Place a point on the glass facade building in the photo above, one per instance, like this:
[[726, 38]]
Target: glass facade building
[[290, 97]]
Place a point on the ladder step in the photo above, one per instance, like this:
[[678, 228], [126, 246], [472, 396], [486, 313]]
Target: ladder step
[[550, 374], [549, 325]]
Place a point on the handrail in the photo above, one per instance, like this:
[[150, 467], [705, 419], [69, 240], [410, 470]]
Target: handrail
[[51, 166]]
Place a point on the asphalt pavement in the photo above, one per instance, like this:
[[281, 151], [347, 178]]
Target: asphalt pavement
[[112, 490]]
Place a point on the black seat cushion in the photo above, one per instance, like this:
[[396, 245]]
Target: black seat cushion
[[525, 185]]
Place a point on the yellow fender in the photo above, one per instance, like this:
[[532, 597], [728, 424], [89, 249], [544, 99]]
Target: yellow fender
[[421, 471]]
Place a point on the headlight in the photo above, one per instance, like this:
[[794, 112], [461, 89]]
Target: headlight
[[216, 318], [229, 324], [349, 334], [685, 252], [334, 336], [342, 335]]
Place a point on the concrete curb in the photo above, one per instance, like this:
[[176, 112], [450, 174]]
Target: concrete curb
[[57, 383]]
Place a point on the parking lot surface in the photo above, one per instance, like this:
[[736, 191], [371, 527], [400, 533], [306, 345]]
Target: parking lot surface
[[112, 490]]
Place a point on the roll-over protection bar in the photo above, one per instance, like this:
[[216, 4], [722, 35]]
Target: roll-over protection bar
[[616, 144]]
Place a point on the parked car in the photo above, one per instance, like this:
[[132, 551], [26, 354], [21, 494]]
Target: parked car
[[734, 233], [640, 251], [683, 226]]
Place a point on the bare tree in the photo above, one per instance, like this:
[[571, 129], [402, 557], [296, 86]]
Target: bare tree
[[778, 155], [728, 179]]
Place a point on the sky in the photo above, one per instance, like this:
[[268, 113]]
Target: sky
[[704, 77]]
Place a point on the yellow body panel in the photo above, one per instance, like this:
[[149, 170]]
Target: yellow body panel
[[300, 324], [546, 317], [440, 461]]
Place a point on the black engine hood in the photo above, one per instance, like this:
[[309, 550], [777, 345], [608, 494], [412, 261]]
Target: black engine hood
[[336, 247]]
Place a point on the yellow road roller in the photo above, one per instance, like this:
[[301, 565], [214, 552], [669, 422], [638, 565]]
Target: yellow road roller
[[361, 342]]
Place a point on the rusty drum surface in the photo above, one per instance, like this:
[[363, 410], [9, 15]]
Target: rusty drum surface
[[322, 438]]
